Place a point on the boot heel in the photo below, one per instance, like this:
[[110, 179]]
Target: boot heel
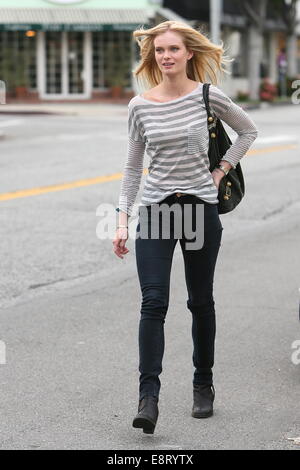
[[147, 425]]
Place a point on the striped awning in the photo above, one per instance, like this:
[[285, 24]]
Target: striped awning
[[72, 18]]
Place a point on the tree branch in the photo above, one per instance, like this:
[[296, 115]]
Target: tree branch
[[251, 13]]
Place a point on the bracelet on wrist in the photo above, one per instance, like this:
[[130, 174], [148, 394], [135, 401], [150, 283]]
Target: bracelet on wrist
[[220, 170], [224, 169], [122, 226]]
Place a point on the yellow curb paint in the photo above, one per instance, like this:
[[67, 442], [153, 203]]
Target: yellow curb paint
[[59, 187], [106, 179], [272, 149]]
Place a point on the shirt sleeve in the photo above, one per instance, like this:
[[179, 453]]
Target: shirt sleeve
[[133, 168], [225, 109]]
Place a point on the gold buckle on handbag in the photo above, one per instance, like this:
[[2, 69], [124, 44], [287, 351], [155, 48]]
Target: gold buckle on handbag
[[227, 194]]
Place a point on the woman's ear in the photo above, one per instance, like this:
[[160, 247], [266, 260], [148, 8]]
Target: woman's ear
[[191, 53]]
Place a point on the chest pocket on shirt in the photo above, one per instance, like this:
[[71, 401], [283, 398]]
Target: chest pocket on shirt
[[196, 140]]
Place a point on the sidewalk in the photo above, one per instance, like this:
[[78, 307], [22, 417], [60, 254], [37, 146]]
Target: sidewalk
[[96, 108]]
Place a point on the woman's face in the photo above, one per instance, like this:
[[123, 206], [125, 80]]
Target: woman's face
[[171, 54]]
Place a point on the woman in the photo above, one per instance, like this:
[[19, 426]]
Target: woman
[[170, 122]]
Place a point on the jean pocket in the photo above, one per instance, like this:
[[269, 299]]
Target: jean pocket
[[196, 140]]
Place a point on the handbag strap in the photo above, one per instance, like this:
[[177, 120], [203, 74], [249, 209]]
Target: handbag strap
[[213, 152], [205, 92]]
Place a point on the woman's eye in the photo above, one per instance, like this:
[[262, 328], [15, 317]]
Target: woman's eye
[[159, 50]]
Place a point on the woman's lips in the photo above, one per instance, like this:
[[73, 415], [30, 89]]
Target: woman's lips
[[168, 65]]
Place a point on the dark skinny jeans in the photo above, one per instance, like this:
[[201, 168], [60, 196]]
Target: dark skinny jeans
[[154, 260]]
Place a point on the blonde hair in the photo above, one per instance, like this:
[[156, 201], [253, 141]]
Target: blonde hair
[[205, 65]]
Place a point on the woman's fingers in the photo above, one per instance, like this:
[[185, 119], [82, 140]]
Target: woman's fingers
[[120, 248]]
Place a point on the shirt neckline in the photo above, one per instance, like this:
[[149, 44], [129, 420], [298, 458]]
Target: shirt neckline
[[171, 101]]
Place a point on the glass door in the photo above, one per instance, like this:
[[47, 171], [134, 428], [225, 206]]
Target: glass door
[[66, 63], [75, 51], [53, 50]]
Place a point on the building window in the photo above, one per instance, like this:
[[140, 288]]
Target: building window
[[235, 46], [75, 59], [53, 62], [18, 59], [111, 58], [98, 60]]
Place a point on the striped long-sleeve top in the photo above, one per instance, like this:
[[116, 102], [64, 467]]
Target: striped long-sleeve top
[[175, 136]]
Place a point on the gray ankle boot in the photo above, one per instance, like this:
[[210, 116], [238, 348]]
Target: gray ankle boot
[[147, 414], [204, 396]]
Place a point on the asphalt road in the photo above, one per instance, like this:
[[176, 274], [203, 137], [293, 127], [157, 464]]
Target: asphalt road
[[70, 308]]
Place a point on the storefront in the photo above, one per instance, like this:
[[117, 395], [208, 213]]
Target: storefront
[[68, 49]]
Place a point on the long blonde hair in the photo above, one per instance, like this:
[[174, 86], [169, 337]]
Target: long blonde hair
[[205, 65]]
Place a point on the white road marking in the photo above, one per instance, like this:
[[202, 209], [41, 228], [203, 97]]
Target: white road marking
[[295, 439], [12, 122]]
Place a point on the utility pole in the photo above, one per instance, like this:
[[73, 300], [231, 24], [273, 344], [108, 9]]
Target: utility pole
[[216, 9]]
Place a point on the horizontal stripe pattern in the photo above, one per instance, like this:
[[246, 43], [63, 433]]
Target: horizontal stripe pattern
[[175, 137]]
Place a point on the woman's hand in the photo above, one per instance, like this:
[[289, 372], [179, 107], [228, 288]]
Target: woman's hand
[[217, 174], [119, 242]]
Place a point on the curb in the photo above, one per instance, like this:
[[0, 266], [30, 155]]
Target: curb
[[32, 112], [264, 105]]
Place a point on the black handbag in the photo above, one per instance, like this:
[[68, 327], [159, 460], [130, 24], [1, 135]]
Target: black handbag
[[232, 185]]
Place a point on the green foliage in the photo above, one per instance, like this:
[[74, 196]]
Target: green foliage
[[242, 96], [280, 9]]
